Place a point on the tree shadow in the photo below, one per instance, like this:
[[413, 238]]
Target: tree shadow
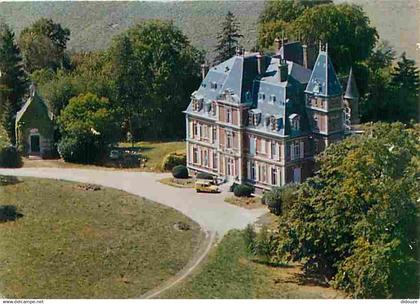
[[273, 264], [8, 180], [9, 213], [311, 279]]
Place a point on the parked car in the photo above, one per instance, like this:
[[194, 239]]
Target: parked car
[[206, 186]]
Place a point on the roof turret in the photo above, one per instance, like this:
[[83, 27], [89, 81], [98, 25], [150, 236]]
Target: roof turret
[[323, 79], [351, 89]]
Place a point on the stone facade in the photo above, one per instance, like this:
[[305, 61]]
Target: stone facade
[[261, 119], [35, 128]]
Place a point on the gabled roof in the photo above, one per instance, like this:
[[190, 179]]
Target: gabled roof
[[323, 79], [34, 98], [351, 89]]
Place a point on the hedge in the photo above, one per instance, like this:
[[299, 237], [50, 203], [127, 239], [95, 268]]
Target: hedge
[[180, 171], [174, 159], [243, 190], [204, 175], [10, 157]]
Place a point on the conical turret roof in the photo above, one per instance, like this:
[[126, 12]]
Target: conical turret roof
[[351, 89], [323, 79]]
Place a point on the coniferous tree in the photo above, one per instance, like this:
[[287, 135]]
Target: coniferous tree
[[405, 84], [13, 81], [228, 38]]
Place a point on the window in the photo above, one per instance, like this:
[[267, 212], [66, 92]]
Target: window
[[229, 140], [215, 159], [257, 119], [274, 147], [228, 115], [197, 104], [261, 96], [273, 98], [294, 122], [252, 171], [230, 166], [206, 158], [252, 145], [195, 129], [263, 146], [195, 155], [274, 176], [213, 85], [214, 136]]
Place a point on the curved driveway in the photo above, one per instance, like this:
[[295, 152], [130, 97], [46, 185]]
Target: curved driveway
[[208, 210]]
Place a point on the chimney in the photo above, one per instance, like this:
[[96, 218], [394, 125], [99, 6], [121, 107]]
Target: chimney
[[283, 70], [260, 63], [305, 56], [277, 44], [239, 51], [204, 70]]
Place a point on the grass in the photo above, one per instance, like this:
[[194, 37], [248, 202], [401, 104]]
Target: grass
[[154, 152], [245, 202], [178, 182], [77, 243], [229, 273]]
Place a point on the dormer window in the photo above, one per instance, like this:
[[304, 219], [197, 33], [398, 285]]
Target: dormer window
[[254, 117], [261, 96], [213, 85], [276, 123], [197, 104], [294, 122], [273, 98], [213, 108]]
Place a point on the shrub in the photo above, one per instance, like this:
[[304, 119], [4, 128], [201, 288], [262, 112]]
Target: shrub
[[174, 159], [278, 198], [232, 187], [10, 157], [180, 171], [243, 190], [204, 175], [249, 238]]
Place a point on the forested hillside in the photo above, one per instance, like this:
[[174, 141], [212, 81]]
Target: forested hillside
[[92, 26]]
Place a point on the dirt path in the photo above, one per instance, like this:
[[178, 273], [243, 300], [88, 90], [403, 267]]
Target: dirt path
[[202, 252]]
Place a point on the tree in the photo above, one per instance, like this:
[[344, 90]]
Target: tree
[[345, 27], [163, 69], [227, 38], [278, 16], [13, 81], [356, 220], [87, 125], [43, 45], [405, 84]]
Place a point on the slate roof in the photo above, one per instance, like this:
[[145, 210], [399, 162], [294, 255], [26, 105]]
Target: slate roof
[[292, 51], [324, 80], [351, 88]]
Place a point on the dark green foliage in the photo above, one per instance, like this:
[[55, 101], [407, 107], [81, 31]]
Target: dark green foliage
[[266, 245], [13, 82], [43, 45], [156, 70], [250, 235], [227, 40], [10, 157], [355, 222], [88, 127], [279, 198], [174, 159], [243, 190], [180, 171], [204, 175]]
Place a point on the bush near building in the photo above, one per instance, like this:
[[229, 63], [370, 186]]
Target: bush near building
[[174, 159], [243, 190], [180, 171], [9, 155]]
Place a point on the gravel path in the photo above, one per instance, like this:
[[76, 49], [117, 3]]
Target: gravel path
[[209, 210], [215, 216]]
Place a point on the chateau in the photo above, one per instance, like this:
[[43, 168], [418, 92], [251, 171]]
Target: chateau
[[261, 119]]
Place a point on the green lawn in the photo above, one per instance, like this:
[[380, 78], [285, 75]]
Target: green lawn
[[229, 273], [154, 152], [74, 243]]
